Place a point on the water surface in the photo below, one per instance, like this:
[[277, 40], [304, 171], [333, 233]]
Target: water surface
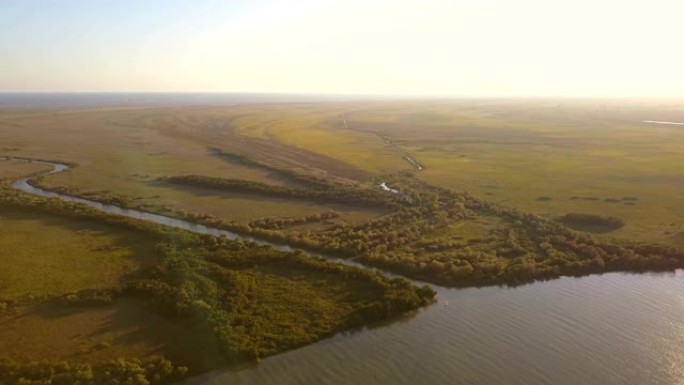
[[608, 329]]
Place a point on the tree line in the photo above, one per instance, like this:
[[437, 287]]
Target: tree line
[[343, 194], [131, 371]]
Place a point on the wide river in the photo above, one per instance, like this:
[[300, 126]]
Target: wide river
[[602, 329]]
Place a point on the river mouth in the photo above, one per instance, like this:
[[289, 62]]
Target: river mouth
[[614, 328]]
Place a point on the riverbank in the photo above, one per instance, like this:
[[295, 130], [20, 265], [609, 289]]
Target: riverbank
[[250, 300], [609, 329], [402, 243]]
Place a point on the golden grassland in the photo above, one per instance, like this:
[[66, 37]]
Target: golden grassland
[[545, 157], [582, 157], [98, 334], [50, 255], [42, 254], [12, 169], [123, 153], [509, 151]]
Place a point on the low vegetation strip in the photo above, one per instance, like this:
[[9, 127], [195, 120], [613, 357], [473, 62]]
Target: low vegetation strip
[[404, 154], [281, 223], [151, 371], [330, 194], [307, 181], [591, 223]]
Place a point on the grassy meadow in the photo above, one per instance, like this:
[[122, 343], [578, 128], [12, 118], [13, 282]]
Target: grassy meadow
[[42, 254], [98, 334], [14, 169], [584, 158], [545, 157], [123, 153]]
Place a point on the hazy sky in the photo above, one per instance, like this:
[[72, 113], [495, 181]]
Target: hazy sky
[[457, 47]]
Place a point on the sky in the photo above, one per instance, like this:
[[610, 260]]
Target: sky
[[590, 48]]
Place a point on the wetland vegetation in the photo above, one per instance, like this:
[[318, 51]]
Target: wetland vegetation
[[482, 209], [230, 299]]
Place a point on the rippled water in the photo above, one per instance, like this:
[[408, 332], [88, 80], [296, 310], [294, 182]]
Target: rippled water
[[608, 329]]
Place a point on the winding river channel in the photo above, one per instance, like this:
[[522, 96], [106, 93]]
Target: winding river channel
[[601, 329]]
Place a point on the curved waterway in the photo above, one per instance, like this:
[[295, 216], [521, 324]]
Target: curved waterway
[[601, 329], [24, 185]]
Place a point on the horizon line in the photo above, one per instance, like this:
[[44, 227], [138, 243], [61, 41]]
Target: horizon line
[[355, 94]]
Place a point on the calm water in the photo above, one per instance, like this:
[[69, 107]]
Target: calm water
[[608, 329]]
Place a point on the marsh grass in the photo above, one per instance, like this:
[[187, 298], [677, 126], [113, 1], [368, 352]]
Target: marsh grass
[[45, 254]]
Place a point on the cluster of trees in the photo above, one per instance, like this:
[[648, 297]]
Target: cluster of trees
[[212, 283], [371, 296], [422, 211], [151, 371], [522, 248], [519, 249]]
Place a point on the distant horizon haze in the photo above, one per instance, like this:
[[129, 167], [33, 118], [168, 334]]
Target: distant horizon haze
[[81, 100], [428, 48]]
